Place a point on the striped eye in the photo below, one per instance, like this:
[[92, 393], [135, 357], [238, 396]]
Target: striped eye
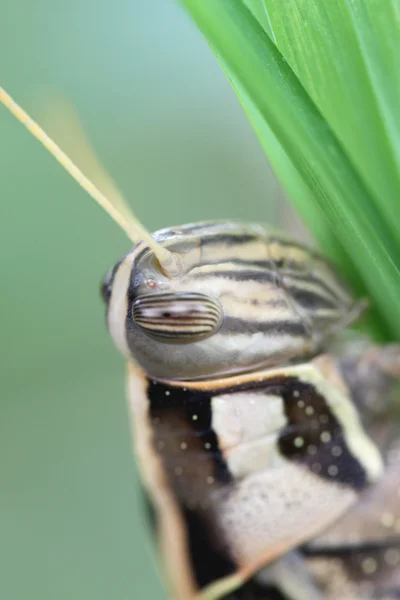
[[178, 318]]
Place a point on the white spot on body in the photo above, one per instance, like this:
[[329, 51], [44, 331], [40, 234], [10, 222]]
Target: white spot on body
[[392, 557], [388, 520], [299, 442], [369, 566], [333, 470]]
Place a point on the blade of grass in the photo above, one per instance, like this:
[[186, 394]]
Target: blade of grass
[[346, 54], [259, 10], [256, 66], [302, 195], [296, 187], [285, 170]]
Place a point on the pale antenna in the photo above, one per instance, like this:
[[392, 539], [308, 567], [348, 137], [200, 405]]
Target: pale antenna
[[118, 210]]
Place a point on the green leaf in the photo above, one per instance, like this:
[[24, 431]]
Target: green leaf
[[304, 147], [259, 10], [346, 55], [296, 188]]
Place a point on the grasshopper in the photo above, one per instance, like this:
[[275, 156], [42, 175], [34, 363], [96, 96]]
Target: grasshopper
[[262, 431]]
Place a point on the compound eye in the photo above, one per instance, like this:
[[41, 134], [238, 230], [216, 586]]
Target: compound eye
[[177, 318]]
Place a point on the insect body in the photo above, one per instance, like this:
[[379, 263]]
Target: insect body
[[257, 439], [249, 439]]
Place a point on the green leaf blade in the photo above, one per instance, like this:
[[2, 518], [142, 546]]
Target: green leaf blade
[[274, 96], [342, 52]]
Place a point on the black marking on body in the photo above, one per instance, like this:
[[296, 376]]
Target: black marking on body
[[314, 436], [183, 437], [192, 409], [347, 549], [273, 273], [229, 239], [209, 558], [310, 299], [291, 328], [253, 590], [275, 267], [107, 284], [296, 280], [181, 421], [370, 562]]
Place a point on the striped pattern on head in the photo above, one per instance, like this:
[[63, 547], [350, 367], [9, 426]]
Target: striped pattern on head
[[247, 298]]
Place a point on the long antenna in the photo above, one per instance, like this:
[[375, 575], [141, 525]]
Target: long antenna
[[169, 261]]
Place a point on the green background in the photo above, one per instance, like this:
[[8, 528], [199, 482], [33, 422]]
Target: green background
[[166, 124]]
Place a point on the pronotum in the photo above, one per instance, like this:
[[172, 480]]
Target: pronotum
[[262, 432]]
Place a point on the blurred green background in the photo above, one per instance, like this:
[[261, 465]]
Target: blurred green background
[[166, 124]]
